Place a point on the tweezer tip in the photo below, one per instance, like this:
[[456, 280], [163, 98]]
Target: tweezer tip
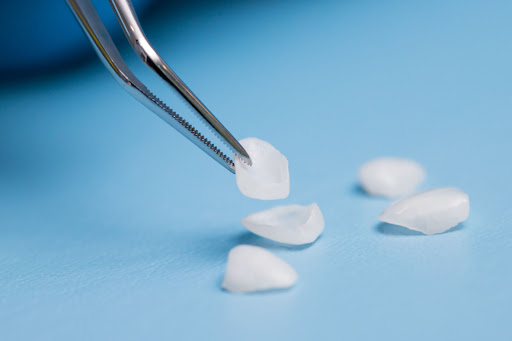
[[246, 159]]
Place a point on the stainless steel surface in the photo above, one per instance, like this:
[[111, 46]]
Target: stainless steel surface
[[108, 53]]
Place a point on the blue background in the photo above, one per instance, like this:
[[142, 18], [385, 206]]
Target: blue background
[[40, 35], [113, 226]]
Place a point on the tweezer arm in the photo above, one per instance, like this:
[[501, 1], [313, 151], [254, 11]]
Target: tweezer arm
[[103, 44], [109, 55], [133, 31]]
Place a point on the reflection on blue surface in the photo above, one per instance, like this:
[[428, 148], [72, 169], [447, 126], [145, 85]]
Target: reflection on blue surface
[[113, 226]]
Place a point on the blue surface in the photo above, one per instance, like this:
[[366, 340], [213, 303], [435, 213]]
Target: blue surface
[[113, 226]]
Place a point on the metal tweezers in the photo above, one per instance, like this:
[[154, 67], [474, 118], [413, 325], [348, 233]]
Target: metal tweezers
[[109, 55]]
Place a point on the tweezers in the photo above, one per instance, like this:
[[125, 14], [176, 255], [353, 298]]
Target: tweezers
[[93, 27]]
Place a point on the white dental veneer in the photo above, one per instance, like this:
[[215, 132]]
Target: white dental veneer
[[430, 212], [268, 177], [252, 268], [390, 177], [293, 224]]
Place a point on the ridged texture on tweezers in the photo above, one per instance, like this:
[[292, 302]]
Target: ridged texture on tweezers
[[190, 128]]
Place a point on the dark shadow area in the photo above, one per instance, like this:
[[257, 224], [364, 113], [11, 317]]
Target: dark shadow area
[[357, 190], [396, 230], [50, 41], [75, 52], [73, 62]]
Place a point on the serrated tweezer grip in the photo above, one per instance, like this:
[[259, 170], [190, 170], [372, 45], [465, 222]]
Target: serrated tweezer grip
[[108, 53]]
